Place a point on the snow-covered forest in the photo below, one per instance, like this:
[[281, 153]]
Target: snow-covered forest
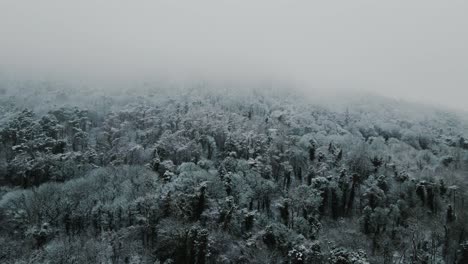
[[160, 175]]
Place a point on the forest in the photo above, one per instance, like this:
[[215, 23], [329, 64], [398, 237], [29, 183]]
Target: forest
[[203, 175]]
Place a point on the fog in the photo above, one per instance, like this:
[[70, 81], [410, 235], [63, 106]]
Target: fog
[[415, 50]]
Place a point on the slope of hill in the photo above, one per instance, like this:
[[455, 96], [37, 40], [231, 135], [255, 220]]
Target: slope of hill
[[217, 176]]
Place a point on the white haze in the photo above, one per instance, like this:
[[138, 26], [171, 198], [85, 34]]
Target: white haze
[[416, 50]]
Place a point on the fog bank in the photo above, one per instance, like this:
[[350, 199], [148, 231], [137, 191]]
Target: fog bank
[[413, 50]]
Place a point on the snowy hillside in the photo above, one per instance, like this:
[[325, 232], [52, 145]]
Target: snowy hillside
[[215, 176]]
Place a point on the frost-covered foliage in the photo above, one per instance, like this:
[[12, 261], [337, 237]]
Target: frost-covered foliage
[[199, 176]]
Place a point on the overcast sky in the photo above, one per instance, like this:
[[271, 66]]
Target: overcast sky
[[416, 50]]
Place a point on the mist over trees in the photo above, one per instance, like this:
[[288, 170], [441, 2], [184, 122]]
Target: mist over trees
[[222, 175]]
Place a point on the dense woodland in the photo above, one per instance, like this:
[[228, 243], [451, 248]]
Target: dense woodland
[[197, 175]]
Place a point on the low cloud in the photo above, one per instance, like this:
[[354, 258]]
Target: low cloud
[[413, 50]]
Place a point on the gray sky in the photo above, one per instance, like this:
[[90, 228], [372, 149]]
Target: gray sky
[[417, 50]]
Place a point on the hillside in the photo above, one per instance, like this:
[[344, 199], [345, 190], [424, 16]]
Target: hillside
[[168, 175]]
